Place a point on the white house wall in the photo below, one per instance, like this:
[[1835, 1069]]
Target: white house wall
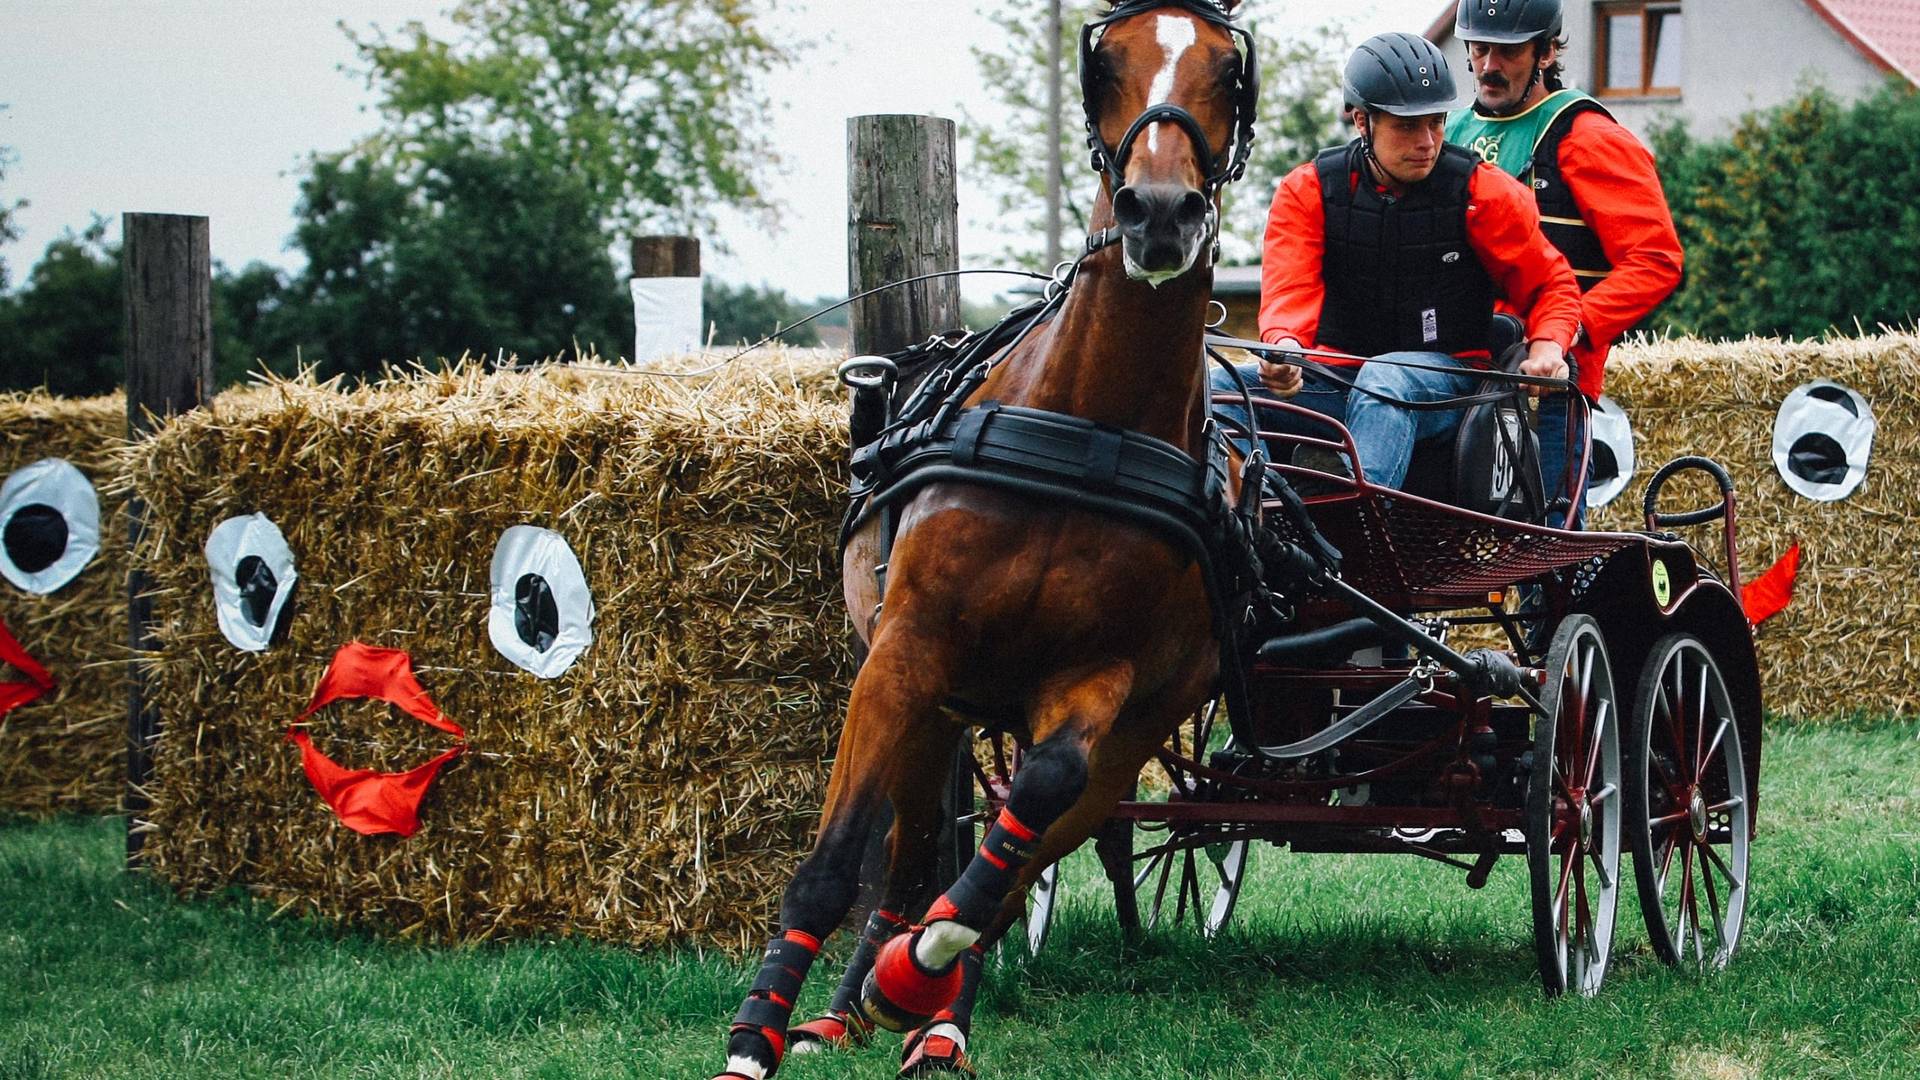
[[1741, 55]]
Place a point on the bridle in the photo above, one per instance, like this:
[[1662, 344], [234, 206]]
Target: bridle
[[1219, 169]]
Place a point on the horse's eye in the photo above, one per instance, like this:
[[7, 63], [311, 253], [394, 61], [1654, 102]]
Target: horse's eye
[[1822, 438], [252, 572], [1612, 452], [542, 612], [49, 525]]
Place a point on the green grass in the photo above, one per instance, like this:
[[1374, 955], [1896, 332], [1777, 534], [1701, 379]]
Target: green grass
[[1335, 966]]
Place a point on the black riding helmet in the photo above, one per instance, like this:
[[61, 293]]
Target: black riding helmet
[[1399, 74], [1506, 22]]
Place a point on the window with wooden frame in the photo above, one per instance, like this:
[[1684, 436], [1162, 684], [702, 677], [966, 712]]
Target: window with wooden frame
[[1637, 48]]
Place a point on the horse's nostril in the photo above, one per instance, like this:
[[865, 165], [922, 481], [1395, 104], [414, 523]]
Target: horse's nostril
[[1129, 209], [1192, 209]]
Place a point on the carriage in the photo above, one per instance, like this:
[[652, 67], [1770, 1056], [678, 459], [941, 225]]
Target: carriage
[[1634, 727]]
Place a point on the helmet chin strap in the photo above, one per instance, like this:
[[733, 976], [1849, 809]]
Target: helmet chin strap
[[1373, 159]]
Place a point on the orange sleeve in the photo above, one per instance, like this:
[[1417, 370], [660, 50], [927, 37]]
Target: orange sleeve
[[1503, 226], [1613, 180], [1292, 290]]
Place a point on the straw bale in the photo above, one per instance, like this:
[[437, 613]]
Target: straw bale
[[660, 790], [66, 752], [1847, 643]]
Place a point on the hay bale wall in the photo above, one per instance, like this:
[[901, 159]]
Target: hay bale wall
[[1847, 643], [66, 751], [657, 791]]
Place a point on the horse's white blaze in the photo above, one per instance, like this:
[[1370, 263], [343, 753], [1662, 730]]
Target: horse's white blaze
[[746, 1066], [1176, 35], [941, 942]]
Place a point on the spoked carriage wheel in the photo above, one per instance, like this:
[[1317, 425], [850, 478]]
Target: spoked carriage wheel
[[967, 798], [1172, 884], [1688, 806], [1573, 812]]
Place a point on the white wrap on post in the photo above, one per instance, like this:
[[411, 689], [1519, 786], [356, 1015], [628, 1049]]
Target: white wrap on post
[[666, 317]]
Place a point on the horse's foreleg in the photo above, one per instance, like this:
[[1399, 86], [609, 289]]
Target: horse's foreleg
[[918, 974], [893, 706]]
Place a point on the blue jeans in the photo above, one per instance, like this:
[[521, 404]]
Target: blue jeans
[[1386, 433], [1554, 418], [1320, 395]]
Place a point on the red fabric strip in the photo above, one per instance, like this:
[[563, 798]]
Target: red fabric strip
[[1768, 595], [15, 693]]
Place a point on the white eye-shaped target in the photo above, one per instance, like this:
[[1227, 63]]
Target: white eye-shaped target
[[542, 613], [252, 572], [1822, 439], [1612, 452], [49, 525]]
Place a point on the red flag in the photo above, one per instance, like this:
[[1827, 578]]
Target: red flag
[[1766, 595]]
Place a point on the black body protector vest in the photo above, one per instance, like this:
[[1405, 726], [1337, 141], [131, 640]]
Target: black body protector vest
[[1560, 217], [1399, 272]]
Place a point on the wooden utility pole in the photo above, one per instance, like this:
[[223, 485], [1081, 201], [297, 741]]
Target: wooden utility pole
[[166, 261], [1054, 164], [903, 220]]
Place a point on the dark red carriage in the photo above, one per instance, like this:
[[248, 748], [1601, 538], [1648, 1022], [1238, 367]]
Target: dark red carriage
[[1642, 731]]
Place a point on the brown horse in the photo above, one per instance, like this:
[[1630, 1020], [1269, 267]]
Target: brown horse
[[1096, 632]]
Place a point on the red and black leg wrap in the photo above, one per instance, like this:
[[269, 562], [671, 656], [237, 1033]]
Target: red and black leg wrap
[[843, 1023], [931, 1053], [960, 1013], [769, 1005], [975, 899]]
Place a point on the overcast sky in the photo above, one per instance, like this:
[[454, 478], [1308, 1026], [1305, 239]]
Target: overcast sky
[[210, 106]]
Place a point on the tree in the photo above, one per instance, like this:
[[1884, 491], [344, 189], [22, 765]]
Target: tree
[[655, 106], [476, 250], [1801, 222], [63, 328], [1299, 78], [9, 227], [743, 313]]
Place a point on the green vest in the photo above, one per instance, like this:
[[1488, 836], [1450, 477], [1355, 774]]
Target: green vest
[[1509, 141]]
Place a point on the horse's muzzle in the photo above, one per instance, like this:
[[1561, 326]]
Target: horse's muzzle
[[1162, 228]]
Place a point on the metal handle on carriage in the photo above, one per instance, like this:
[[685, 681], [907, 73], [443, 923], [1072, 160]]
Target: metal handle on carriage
[[1657, 520]]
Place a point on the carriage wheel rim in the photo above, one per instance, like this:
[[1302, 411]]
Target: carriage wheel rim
[[1691, 848], [1574, 816]]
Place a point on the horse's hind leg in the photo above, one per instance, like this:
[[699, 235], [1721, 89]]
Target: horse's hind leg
[[910, 886], [892, 735]]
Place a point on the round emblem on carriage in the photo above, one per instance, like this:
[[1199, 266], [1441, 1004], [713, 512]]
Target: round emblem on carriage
[[1662, 583]]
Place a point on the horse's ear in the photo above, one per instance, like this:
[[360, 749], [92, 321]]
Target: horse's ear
[[1229, 5]]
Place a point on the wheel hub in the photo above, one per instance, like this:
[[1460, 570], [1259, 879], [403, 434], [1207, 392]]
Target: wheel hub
[[1586, 823], [1697, 816]]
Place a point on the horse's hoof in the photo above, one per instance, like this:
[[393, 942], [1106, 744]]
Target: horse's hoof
[[929, 1053], [899, 994], [834, 1031]]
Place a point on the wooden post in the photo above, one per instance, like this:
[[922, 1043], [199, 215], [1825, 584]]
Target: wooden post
[[902, 221], [903, 217], [666, 256], [167, 263]]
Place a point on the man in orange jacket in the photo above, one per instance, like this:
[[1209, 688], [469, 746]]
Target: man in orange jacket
[[1598, 192], [1396, 247]]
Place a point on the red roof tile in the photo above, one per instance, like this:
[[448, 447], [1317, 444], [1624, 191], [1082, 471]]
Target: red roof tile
[[1886, 31]]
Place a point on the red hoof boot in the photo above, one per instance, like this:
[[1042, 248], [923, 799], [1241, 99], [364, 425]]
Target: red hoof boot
[[899, 994], [934, 1055], [834, 1031]]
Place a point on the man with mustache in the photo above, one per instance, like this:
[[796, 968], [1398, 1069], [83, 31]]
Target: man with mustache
[[1599, 196], [1395, 247]]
